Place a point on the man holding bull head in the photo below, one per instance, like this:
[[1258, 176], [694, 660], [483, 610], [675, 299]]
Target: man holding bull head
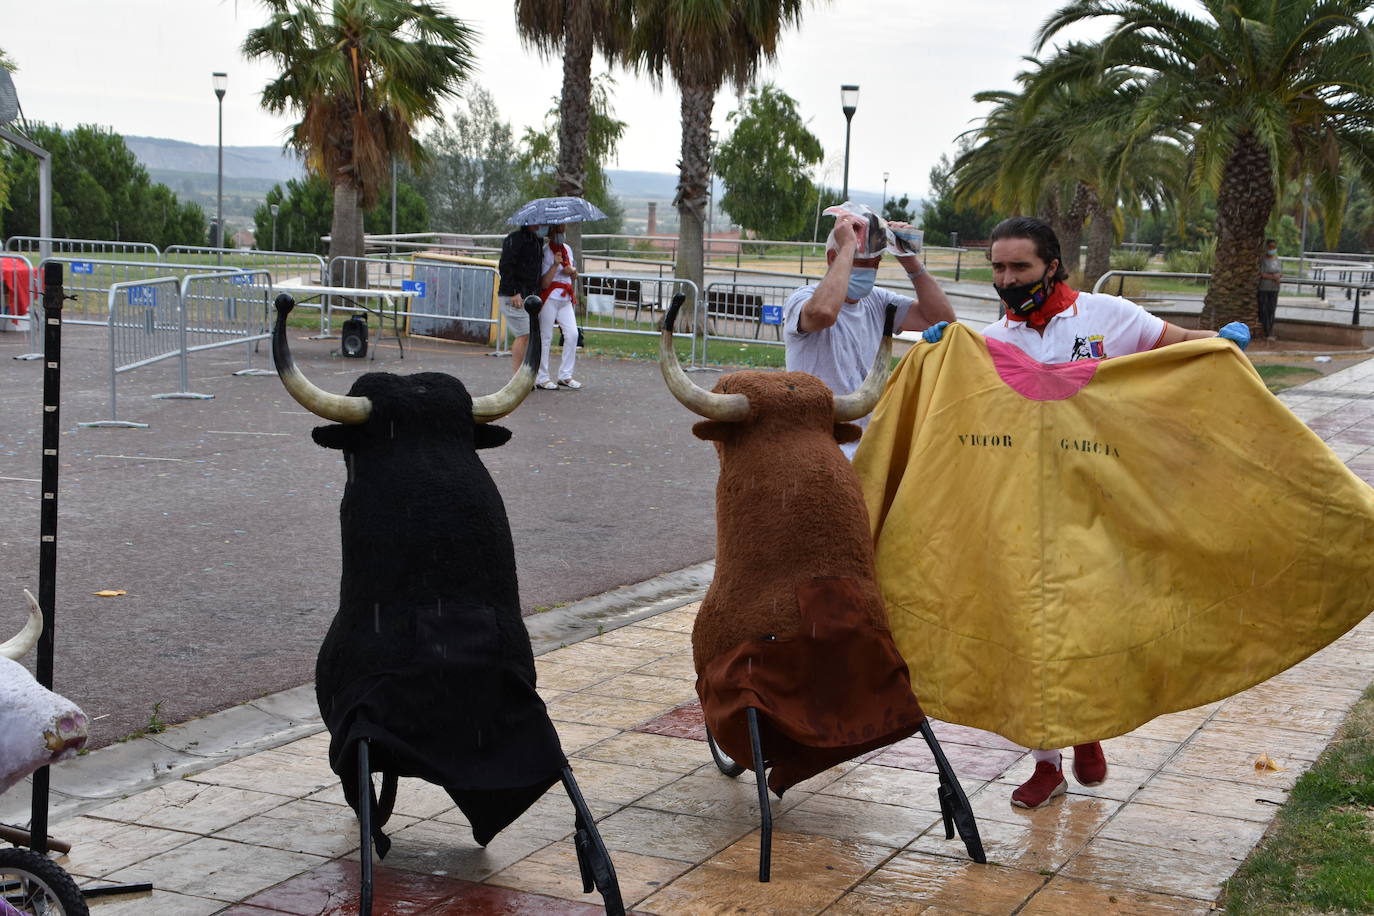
[[833, 328]]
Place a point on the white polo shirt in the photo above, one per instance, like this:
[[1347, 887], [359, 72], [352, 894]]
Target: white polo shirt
[[1096, 326]]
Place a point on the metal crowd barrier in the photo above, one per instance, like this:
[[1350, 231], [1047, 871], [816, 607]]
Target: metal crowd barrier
[[286, 267], [226, 309], [628, 303], [160, 318], [741, 311], [443, 297], [48, 245]]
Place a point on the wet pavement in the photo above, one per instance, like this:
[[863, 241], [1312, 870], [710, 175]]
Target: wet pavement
[[259, 825]]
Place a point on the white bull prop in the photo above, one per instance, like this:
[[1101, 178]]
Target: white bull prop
[[37, 726]]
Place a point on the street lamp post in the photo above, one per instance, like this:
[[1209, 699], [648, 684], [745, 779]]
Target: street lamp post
[[883, 211], [273, 208], [711, 191], [221, 83], [849, 103]]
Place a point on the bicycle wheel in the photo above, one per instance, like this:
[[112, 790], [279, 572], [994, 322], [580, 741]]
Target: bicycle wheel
[[36, 886], [724, 762]]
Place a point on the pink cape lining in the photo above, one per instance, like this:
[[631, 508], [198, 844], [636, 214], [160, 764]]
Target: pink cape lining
[[1036, 380]]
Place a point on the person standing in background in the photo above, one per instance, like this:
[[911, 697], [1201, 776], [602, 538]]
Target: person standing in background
[[1271, 276], [560, 297], [521, 257]]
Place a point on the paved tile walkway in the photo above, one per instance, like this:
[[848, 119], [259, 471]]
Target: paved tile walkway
[[270, 833]]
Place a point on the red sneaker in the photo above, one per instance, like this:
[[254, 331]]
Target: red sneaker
[[1089, 764], [1045, 783]]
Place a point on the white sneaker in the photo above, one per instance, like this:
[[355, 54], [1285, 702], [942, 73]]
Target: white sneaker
[[547, 386], [570, 383]]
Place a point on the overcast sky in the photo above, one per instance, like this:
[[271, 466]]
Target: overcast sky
[[143, 68]]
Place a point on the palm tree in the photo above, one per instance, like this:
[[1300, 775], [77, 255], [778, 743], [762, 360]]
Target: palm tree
[[1266, 87], [704, 44], [361, 74]]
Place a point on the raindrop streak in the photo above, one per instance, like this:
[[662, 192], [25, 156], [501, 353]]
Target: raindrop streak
[[377, 617]]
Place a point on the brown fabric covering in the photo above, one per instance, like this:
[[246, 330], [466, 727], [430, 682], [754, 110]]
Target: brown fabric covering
[[836, 689]]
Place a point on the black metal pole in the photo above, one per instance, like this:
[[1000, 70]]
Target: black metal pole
[[47, 545]]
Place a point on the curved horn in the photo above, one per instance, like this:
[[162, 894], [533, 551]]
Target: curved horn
[[337, 407], [857, 403], [20, 645], [491, 407], [727, 407]]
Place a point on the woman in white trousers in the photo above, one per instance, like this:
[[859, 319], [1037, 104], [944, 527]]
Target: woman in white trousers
[[559, 295]]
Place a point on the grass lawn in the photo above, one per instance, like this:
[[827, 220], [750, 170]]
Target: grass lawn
[[1319, 854], [1279, 377]]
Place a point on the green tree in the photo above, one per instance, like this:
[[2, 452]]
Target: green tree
[[472, 179], [704, 44], [764, 164], [539, 155], [1268, 89], [362, 75], [944, 213], [575, 29], [100, 191], [412, 212], [305, 208], [899, 209]]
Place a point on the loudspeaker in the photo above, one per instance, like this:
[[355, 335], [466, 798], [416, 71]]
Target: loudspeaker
[[354, 340]]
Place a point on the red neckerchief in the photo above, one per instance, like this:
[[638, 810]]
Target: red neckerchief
[[562, 256], [1061, 297]]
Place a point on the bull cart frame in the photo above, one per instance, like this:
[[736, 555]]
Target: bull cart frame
[[593, 859], [954, 807]]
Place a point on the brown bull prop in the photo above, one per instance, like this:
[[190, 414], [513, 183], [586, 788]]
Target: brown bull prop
[[791, 646]]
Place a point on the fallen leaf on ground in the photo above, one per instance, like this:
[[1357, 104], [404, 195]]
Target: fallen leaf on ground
[[110, 593], [1267, 763]]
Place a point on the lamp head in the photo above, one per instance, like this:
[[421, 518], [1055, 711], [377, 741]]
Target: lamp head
[[273, 208], [221, 83], [849, 100]]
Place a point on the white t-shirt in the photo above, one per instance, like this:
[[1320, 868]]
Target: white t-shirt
[[1096, 326], [560, 275], [841, 354]]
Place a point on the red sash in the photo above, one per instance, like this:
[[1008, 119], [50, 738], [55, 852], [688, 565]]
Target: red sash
[[564, 256]]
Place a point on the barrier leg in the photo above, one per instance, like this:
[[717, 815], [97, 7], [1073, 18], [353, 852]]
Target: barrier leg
[[765, 809], [954, 806], [593, 860]]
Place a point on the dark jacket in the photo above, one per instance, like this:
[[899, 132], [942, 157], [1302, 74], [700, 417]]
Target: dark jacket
[[522, 253]]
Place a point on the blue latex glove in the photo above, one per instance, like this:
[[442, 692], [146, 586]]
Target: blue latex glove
[[1237, 332], [933, 333]]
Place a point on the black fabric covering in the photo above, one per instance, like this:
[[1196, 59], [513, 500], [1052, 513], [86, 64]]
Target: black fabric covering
[[428, 656]]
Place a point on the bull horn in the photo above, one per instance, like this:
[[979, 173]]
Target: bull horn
[[491, 407], [728, 407], [20, 645], [337, 407], [858, 403]]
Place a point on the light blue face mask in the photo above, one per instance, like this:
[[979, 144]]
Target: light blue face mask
[[861, 280], [542, 232]]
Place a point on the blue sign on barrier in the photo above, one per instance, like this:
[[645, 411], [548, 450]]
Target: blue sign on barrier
[[145, 296], [418, 287], [772, 314], [242, 279], [83, 267]]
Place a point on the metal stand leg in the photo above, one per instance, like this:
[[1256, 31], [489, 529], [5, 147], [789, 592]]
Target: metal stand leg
[[592, 858], [365, 828], [954, 806], [765, 809]]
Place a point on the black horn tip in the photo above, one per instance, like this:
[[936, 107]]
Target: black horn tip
[[285, 303], [533, 304], [671, 318], [889, 320]]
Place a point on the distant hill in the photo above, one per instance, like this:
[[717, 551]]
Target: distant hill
[[250, 172]]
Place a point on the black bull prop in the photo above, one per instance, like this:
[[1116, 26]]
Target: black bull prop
[[792, 648], [427, 669]]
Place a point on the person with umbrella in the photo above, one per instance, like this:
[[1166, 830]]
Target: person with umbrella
[[520, 270], [557, 282]]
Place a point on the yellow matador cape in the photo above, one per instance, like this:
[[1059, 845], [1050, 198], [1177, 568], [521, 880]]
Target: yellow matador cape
[[1128, 537]]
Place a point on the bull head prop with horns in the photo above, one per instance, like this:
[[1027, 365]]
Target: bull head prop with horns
[[427, 669], [37, 726], [793, 622], [796, 666]]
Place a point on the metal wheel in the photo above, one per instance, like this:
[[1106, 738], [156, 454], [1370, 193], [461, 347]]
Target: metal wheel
[[723, 760], [36, 886]]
